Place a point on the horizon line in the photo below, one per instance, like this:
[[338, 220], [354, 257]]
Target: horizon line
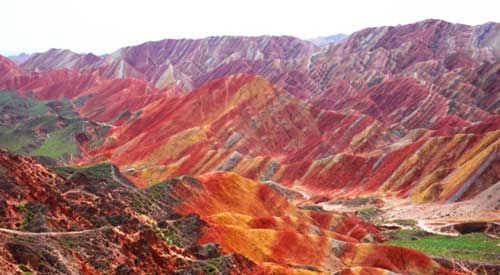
[[18, 53]]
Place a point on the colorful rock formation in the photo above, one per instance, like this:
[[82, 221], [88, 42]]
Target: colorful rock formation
[[259, 125], [91, 220]]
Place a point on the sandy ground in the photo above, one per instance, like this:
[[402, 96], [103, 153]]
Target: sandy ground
[[433, 216], [484, 207]]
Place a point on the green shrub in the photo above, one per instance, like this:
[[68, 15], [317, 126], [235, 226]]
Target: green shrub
[[474, 246]]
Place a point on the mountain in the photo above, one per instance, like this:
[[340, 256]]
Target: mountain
[[186, 63], [312, 113], [252, 153], [87, 88], [59, 59], [284, 59], [20, 58], [8, 69], [244, 124], [189, 63], [249, 123], [323, 41]]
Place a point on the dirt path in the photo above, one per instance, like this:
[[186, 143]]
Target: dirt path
[[54, 234], [432, 227], [116, 178]]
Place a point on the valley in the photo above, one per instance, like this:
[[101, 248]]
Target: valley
[[372, 153]]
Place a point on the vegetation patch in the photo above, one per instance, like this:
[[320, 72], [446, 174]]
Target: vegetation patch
[[168, 235], [28, 215], [311, 207], [41, 128], [212, 265], [96, 172], [474, 246], [368, 213], [24, 269], [157, 191], [410, 223], [66, 242], [59, 143]]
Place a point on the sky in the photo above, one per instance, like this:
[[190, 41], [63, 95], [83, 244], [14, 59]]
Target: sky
[[103, 26]]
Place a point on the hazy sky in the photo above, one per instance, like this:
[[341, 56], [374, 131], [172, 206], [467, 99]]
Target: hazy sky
[[102, 26]]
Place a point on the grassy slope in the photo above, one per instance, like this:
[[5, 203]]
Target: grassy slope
[[475, 246], [60, 142], [21, 115], [27, 106]]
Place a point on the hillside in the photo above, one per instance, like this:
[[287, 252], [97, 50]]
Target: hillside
[[266, 155], [90, 219]]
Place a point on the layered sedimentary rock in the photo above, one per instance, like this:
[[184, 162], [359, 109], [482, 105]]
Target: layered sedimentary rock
[[260, 125], [94, 96], [54, 59], [8, 68], [92, 220], [244, 124], [186, 63]]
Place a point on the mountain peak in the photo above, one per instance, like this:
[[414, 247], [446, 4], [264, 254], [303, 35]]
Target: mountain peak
[[59, 59]]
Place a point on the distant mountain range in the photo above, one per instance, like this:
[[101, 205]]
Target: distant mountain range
[[20, 58], [327, 40]]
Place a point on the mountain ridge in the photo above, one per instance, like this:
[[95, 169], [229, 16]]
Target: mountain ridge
[[216, 155]]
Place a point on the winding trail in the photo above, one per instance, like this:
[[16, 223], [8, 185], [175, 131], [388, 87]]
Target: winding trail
[[115, 177], [118, 177], [54, 234]]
